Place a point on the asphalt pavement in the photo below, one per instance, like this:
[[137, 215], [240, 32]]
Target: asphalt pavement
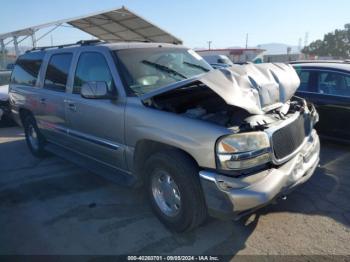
[[50, 206]]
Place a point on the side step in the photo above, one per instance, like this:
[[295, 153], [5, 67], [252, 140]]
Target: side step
[[108, 172]]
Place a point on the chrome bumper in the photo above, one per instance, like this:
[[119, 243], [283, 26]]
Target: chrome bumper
[[232, 196]]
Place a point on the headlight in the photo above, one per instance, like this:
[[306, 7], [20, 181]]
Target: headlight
[[242, 151]]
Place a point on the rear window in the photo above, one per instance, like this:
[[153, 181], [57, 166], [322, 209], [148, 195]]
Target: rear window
[[27, 68]]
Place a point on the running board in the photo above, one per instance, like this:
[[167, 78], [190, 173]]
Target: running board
[[108, 172]]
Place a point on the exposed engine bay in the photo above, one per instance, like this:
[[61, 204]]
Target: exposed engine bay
[[242, 98], [197, 101]]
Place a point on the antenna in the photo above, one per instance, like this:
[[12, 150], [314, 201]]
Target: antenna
[[246, 40]]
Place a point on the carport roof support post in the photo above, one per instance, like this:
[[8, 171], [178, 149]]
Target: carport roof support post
[[15, 43], [3, 54]]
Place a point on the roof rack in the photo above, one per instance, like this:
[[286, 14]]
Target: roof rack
[[79, 43]]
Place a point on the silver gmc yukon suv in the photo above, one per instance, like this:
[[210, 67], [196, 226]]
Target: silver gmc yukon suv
[[201, 141]]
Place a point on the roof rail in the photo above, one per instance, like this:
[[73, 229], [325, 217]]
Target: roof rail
[[79, 43], [347, 61], [89, 42]]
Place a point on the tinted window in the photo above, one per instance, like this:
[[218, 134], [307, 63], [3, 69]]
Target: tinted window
[[27, 69], [333, 83], [57, 72], [304, 80], [92, 66]]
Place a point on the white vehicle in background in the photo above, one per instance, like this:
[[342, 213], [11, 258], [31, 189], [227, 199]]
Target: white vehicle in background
[[218, 61], [4, 94]]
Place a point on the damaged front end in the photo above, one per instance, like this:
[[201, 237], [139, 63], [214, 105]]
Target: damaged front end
[[272, 146]]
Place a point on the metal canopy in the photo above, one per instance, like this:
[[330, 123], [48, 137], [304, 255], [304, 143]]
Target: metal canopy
[[117, 25], [112, 26], [122, 25]]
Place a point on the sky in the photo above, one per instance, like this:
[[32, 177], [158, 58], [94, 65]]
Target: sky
[[224, 22]]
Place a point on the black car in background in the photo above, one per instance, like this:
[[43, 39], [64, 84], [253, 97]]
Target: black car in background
[[5, 113], [327, 85]]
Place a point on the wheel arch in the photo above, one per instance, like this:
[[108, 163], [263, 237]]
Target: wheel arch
[[146, 148]]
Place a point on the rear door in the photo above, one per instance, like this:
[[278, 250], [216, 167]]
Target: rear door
[[25, 84], [52, 97], [96, 126], [333, 103]]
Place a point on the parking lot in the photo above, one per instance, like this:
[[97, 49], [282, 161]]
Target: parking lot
[[50, 206]]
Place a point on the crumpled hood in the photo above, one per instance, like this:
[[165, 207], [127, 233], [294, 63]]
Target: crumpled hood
[[251, 87], [4, 93], [254, 86]]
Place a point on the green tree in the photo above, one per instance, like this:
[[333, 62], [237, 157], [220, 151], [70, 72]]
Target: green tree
[[335, 44]]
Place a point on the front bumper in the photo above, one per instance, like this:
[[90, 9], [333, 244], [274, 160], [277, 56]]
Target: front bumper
[[233, 197]]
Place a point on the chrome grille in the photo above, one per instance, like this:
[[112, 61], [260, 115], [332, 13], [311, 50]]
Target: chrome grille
[[288, 138]]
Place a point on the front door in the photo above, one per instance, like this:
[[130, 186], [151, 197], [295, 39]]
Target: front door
[[96, 126]]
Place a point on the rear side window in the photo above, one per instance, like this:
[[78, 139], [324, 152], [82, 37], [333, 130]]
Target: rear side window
[[57, 72], [92, 66], [27, 68]]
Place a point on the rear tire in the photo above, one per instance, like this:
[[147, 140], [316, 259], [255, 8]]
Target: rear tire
[[35, 140], [174, 190]]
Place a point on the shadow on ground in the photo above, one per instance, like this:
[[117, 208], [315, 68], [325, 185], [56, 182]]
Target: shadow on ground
[[69, 210], [327, 193]]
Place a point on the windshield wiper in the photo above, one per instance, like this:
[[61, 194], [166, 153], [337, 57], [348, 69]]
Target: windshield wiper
[[197, 66], [163, 68]]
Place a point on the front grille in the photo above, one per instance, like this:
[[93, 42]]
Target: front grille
[[287, 139]]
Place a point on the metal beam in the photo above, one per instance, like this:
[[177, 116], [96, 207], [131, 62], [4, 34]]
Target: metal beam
[[15, 43], [33, 39], [3, 54]]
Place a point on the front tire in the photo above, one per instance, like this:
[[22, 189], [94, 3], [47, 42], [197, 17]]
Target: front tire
[[35, 140], [174, 190]]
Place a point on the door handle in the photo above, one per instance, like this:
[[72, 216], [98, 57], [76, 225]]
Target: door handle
[[43, 101], [72, 107]]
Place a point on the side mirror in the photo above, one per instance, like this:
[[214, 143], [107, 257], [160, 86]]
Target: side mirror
[[95, 90]]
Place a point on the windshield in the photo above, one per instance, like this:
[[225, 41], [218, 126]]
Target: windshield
[[147, 69]]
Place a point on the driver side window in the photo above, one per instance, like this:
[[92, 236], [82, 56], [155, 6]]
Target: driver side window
[[92, 66]]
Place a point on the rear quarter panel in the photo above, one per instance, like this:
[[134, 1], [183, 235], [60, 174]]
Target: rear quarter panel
[[23, 97]]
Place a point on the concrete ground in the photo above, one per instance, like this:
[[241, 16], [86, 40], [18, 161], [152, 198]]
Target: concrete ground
[[50, 206]]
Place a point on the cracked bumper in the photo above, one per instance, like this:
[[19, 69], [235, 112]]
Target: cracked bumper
[[233, 197]]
